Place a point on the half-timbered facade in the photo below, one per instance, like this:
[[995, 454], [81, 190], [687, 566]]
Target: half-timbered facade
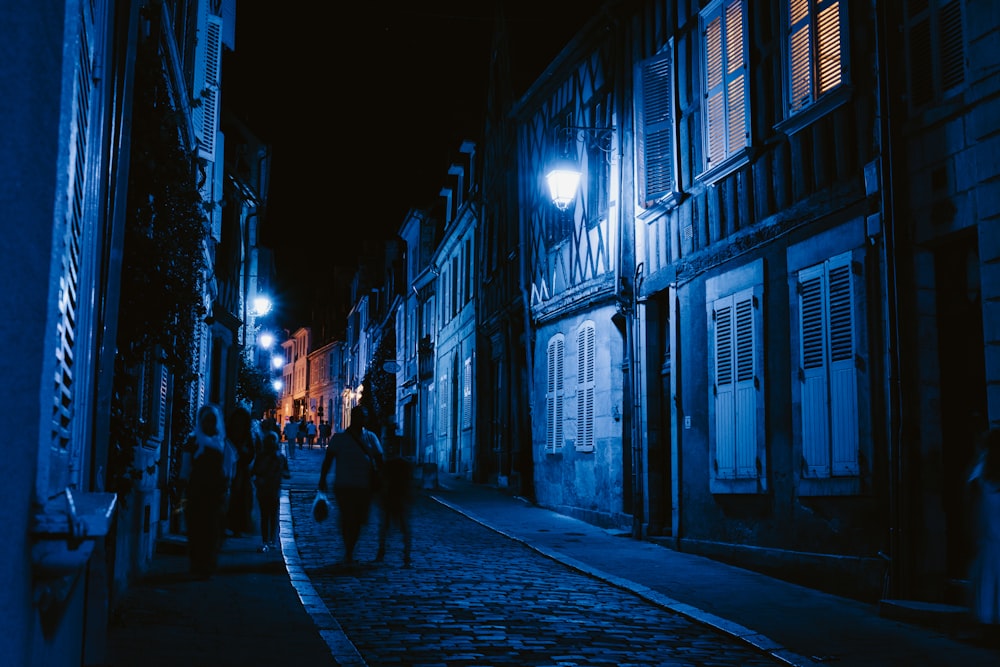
[[574, 260]]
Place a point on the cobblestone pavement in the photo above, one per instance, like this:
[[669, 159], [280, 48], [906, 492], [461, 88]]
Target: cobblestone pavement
[[475, 597]]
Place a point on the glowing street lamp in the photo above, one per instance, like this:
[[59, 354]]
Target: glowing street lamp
[[261, 305], [277, 361], [266, 340], [563, 180]]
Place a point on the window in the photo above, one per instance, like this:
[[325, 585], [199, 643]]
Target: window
[[816, 44], [443, 424], [936, 49], [655, 136], [736, 405], [554, 395], [827, 369], [467, 394], [585, 351], [724, 33]]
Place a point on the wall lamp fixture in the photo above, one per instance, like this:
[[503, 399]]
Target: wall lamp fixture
[[563, 176]]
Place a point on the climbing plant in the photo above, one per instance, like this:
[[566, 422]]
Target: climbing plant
[[163, 265]]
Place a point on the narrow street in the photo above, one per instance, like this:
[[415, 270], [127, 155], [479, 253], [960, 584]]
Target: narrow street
[[475, 597]]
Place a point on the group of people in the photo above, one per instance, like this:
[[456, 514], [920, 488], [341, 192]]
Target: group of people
[[225, 465], [303, 432], [362, 472]]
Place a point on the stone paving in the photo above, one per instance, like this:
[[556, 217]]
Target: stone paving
[[476, 597]]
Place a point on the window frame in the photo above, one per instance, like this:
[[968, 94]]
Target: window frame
[[819, 103], [749, 471], [843, 245], [939, 46], [732, 157]]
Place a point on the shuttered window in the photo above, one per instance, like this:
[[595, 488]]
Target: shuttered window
[[828, 368], [936, 49], [554, 394], [724, 58], [585, 345], [654, 110], [467, 394], [816, 50], [207, 85], [443, 429], [736, 385]]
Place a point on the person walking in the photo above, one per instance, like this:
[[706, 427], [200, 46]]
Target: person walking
[[396, 499], [291, 430], [357, 453], [207, 490], [311, 433], [267, 472], [985, 574], [240, 433]]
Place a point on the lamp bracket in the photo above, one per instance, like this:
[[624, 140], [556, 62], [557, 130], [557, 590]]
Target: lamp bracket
[[595, 137]]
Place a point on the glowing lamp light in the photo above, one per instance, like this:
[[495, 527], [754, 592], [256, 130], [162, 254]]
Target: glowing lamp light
[[266, 340], [563, 180], [261, 306], [277, 361], [277, 384]]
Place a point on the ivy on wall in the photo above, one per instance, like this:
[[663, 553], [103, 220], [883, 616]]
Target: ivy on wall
[[163, 267]]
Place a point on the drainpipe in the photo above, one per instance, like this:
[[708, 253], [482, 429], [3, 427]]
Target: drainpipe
[[894, 427]]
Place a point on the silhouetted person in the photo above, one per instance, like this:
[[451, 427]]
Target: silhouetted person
[[396, 500], [267, 472], [985, 575], [207, 490], [240, 432], [355, 451]]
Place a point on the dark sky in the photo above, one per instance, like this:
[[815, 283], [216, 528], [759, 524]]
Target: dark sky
[[364, 106]]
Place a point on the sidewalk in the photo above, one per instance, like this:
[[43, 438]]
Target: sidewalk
[[798, 625], [261, 608]]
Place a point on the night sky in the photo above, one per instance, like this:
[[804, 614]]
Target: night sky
[[364, 106]]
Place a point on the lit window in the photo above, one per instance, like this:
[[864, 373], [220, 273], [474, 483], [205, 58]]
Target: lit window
[[816, 50], [724, 32]]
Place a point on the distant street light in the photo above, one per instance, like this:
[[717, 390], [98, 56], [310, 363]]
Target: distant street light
[[266, 340], [261, 306]]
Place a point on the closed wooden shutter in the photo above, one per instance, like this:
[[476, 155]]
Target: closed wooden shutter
[[813, 372], [725, 390], [554, 395], [585, 388], [655, 120]]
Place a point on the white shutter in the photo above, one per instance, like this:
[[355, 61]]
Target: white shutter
[[443, 426], [745, 389], [553, 395], [813, 371], [207, 111], [725, 390], [585, 388], [843, 369], [467, 394]]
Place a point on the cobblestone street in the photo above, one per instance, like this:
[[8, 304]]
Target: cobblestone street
[[476, 597]]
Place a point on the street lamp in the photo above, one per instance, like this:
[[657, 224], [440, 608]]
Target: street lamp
[[564, 175], [266, 340], [261, 305]]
